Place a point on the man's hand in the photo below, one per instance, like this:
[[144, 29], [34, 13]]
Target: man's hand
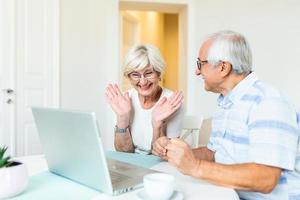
[[245, 176], [181, 155], [159, 147]]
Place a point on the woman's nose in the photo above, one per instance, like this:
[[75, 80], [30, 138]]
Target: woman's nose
[[143, 80]]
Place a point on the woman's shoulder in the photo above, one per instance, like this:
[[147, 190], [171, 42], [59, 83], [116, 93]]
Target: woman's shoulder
[[131, 92]]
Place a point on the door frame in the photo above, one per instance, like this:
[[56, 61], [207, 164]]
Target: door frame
[[167, 6], [124, 83]]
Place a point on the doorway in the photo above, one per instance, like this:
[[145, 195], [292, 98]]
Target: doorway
[[163, 25]]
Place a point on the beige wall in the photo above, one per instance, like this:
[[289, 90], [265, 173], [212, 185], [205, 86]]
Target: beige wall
[[151, 28]]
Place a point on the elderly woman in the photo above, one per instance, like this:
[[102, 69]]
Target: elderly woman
[[148, 114]]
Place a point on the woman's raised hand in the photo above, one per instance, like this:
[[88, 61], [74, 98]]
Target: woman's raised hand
[[165, 108], [120, 103]]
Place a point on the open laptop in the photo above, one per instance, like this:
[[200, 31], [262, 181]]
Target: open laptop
[[73, 149]]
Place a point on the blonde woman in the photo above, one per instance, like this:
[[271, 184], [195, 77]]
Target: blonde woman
[[146, 115]]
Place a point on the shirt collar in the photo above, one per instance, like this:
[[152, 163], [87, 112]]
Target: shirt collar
[[237, 92]]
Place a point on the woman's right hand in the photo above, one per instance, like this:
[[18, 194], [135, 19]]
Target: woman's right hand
[[120, 103], [159, 147]]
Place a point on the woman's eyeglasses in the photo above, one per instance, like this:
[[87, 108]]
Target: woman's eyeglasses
[[135, 76]]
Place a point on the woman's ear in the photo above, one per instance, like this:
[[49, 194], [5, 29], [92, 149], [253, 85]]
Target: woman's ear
[[159, 76]]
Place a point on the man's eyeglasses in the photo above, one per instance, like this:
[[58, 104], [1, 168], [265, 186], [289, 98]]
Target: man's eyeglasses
[[135, 76], [200, 63]]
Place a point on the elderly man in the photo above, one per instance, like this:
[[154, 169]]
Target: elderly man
[[254, 145]]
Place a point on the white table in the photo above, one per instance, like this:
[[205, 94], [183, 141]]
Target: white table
[[190, 187]]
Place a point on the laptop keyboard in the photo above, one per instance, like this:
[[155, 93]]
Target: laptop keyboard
[[117, 177]]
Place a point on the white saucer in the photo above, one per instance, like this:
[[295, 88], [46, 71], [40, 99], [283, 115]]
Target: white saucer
[[141, 195]]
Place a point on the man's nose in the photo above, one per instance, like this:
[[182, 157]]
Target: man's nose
[[197, 72]]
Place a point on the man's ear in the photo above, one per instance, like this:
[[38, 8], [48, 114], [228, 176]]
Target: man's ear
[[226, 68]]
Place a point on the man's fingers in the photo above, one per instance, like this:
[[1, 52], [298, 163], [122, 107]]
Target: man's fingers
[[172, 147], [178, 142], [172, 158]]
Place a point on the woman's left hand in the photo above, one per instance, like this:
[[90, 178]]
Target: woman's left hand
[[165, 108]]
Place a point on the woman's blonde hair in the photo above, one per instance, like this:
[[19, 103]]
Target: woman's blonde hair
[[141, 56]]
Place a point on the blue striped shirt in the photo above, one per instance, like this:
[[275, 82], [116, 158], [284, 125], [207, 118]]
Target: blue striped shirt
[[256, 124]]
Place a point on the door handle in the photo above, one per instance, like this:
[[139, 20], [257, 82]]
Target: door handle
[[8, 91], [9, 101]]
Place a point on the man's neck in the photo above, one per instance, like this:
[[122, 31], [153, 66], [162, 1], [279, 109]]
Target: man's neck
[[231, 81]]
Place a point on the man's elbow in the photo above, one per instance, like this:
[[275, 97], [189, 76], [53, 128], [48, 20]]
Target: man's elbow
[[269, 185], [268, 189], [267, 178]]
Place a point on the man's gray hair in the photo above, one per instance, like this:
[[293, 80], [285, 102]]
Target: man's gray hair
[[231, 47], [141, 56]]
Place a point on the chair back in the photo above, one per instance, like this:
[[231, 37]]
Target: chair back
[[205, 131], [190, 130]]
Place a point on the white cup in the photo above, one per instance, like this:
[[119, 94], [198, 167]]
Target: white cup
[[159, 186]]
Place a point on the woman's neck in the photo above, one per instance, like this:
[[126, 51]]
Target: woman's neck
[[148, 102]]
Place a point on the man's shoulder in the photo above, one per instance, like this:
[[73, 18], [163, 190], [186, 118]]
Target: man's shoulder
[[262, 91], [267, 97]]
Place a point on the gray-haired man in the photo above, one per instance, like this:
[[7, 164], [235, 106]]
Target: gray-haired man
[[254, 145]]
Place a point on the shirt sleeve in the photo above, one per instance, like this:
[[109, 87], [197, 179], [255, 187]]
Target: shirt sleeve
[[210, 145], [174, 126], [273, 133]]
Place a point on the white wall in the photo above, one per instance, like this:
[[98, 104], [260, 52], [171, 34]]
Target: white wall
[[89, 57], [90, 54], [273, 30]]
